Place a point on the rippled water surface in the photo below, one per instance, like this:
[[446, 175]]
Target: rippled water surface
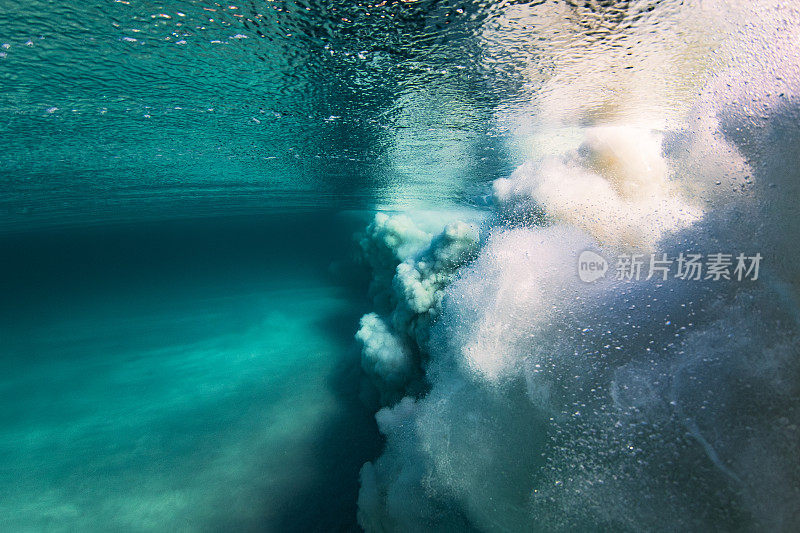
[[142, 107], [309, 265], [124, 109]]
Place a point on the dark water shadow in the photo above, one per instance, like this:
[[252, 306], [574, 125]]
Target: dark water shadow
[[327, 500]]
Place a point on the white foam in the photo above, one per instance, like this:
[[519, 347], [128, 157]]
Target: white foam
[[615, 185], [642, 406]]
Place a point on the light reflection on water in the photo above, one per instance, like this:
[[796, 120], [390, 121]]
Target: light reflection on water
[[126, 109]]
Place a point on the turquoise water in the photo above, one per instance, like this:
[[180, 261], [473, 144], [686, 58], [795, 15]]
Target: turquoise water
[[145, 110], [180, 376], [317, 266]]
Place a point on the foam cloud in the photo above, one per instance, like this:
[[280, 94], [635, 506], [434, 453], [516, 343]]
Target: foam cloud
[[383, 355], [555, 405], [410, 268], [615, 185]]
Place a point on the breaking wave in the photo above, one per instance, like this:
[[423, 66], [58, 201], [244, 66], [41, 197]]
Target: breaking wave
[[517, 397]]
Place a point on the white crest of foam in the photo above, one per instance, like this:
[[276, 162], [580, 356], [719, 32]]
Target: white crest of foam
[[521, 272], [616, 185]]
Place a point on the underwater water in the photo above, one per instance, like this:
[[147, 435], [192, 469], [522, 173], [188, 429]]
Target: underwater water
[[400, 266], [180, 375]]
